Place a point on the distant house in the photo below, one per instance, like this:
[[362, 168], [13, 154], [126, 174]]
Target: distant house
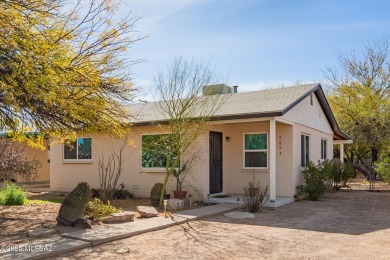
[[271, 132], [43, 171]]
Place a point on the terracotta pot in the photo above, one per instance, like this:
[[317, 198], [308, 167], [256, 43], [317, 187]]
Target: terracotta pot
[[253, 191], [179, 194]]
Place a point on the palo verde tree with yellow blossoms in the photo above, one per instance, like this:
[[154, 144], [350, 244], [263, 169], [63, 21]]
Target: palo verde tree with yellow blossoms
[[64, 67], [360, 98]]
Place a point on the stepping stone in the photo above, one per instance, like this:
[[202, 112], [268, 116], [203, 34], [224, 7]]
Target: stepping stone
[[147, 212], [119, 217], [239, 215], [175, 204], [40, 232]]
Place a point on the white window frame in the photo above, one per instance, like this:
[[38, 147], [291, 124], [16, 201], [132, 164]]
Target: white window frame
[[257, 150], [324, 149], [77, 160], [153, 169], [304, 153]]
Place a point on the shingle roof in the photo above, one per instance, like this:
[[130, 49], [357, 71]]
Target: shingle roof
[[261, 102]]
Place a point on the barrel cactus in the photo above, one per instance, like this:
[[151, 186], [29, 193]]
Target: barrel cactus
[[74, 205], [155, 194]]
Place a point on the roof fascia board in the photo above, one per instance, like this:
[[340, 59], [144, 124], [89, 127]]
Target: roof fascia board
[[219, 118]]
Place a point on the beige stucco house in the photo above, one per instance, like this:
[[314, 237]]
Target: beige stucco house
[[271, 132]]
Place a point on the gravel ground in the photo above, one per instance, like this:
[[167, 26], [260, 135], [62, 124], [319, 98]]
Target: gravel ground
[[348, 224]]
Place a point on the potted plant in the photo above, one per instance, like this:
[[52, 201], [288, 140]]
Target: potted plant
[[180, 175], [253, 189]]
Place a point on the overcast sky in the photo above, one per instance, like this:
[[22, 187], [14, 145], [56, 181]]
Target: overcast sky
[[254, 44]]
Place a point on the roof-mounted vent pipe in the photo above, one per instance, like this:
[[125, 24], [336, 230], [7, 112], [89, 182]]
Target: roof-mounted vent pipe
[[235, 89]]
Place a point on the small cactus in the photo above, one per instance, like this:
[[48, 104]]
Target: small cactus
[[180, 175], [74, 205], [155, 194]]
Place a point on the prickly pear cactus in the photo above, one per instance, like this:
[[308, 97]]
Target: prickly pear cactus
[[74, 204]]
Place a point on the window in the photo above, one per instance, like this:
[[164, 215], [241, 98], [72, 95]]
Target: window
[[81, 149], [305, 150], [156, 149], [255, 150], [323, 149]]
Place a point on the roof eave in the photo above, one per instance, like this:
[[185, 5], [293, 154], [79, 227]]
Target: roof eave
[[218, 118]]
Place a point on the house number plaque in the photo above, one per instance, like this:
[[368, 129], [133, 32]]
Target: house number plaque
[[280, 145]]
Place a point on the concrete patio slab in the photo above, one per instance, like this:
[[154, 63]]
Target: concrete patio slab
[[43, 248], [239, 199]]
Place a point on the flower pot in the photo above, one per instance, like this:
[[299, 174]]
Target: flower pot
[[253, 191], [179, 194]]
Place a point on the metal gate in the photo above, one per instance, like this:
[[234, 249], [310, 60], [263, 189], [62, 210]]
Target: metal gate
[[215, 162]]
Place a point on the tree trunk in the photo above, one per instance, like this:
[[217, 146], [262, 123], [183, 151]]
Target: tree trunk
[[164, 187]]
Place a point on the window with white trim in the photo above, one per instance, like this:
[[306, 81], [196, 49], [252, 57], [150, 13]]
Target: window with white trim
[[323, 149], [255, 150], [80, 149], [305, 150]]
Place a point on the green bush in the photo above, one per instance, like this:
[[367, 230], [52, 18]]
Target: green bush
[[316, 177], [10, 194], [122, 193], [341, 173], [96, 210], [2, 199], [384, 170]]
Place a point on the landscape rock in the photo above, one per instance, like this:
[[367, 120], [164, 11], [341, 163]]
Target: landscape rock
[[146, 211], [119, 217], [239, 214], [123, 250], [175, 204], [40, 232]]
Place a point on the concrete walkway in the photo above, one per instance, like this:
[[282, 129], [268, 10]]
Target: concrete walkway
[[67, 242]]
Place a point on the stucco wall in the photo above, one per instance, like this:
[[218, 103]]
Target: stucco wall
[[304, 118], [314, 150], [65, 176], [311, 120], [42, 156], [235, 178]]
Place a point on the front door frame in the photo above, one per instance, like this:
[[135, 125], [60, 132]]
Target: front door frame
[[218, 182]]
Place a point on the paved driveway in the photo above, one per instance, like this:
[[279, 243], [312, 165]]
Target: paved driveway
[[343, 225]]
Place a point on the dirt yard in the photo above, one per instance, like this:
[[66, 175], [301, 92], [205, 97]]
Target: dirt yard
[[15, 221], [348, 224]]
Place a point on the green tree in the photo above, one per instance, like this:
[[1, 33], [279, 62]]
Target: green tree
[[179, 92], [64, 67], [360, 98]]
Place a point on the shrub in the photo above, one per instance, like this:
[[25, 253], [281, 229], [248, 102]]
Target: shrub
[[96, 210], [316, 177], [384, 170], [15, 163], [122, 193], [2, 199], [10, 194], [255, 197], [119, 194], [341, 173]]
